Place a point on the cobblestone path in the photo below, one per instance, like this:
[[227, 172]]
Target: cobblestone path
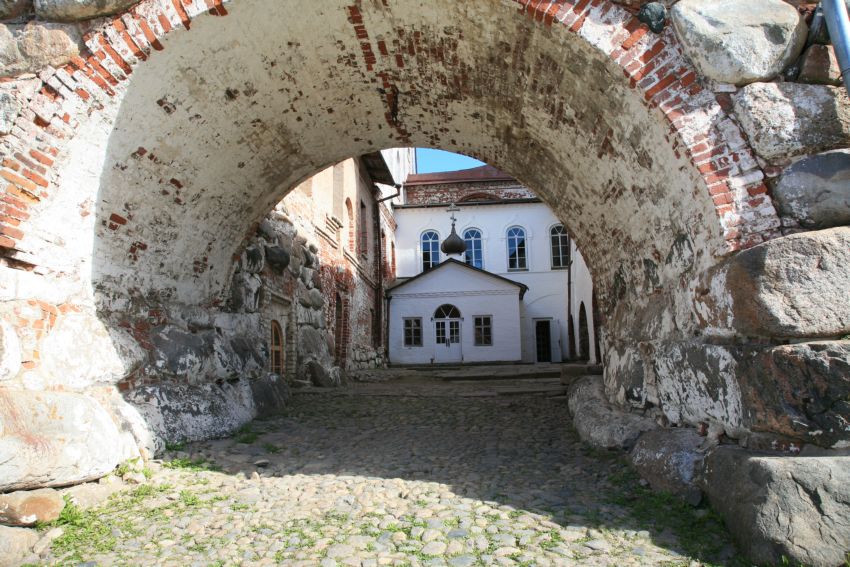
[[381, 480]]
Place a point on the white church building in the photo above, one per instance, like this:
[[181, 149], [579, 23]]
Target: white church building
[[485, 273]]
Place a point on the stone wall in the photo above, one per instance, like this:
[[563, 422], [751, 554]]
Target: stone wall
[[141, 150], [789, 289]]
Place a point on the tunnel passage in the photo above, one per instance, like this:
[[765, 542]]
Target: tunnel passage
[[170, 145]]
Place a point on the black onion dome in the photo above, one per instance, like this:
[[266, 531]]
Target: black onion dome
[[454, 244]]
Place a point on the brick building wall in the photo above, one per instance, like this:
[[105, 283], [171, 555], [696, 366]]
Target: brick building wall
[[423, 194], [350, 248]]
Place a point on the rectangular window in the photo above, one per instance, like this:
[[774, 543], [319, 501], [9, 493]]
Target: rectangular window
[[484, 330], [413, 332]]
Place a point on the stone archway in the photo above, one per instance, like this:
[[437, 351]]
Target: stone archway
[[137, 173]]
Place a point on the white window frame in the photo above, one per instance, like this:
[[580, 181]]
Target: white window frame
[[552, 248], [422, 253], [404, 333], [480, 240], [508, 238], [475, 329]]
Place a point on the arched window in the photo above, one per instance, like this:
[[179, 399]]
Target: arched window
[[560, 241], [517, 258], [447, 311], [277, 349], [430, 249], [350, 211], [473, 255]]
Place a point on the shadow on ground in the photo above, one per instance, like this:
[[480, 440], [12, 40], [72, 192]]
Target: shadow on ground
[[517, 451], [458, 475]]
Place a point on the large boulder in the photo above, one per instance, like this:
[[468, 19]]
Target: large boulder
[[312, 343], [245, 292], [600, 424], [815, 191], [791, 287], [697, 383], [321, 376], [271, 394], [80, 351], [780, 510], [181, 353], [819, 66], [16, 544], [29, 507], [182, 412], [253, 260], [625, 379], [798, 392], [277, 257], [10, 351], [739, 42], [239, 355], [671, 460], [54, 439], [789, 119], [75, 10], [10, 9], [28, 48]]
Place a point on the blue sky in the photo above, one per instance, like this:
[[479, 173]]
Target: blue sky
[[429, 161]]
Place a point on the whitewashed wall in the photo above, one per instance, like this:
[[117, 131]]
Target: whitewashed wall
[[473, 294], [547, 294]]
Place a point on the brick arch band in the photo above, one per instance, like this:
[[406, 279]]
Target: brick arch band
[[700, 126]]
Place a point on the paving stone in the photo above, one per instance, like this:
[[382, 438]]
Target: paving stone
[[367, 480]]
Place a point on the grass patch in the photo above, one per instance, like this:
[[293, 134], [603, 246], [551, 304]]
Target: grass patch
[[554, 540], [701, 535], [246, 434], [271, 448], [178, 446], [89, 532], [190, 465], [189, 499]]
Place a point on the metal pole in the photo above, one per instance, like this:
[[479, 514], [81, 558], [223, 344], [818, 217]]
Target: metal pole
[[838, 23]]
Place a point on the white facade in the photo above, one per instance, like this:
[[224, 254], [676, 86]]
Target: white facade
[[546, 302], [476, 295]]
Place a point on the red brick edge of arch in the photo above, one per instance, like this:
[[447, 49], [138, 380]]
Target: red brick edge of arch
[[701, 126]]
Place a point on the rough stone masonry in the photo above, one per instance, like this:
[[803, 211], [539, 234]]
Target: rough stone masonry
[[142, 143]]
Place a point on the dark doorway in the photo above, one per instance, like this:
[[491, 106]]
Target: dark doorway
[[544, 341], [583, 334]]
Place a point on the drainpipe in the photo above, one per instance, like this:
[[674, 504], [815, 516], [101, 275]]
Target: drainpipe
[[838, 24], [569, 302]]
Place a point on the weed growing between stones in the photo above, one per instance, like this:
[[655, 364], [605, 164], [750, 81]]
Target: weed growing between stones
[[190, 465], [699, 530], [246, 434]]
